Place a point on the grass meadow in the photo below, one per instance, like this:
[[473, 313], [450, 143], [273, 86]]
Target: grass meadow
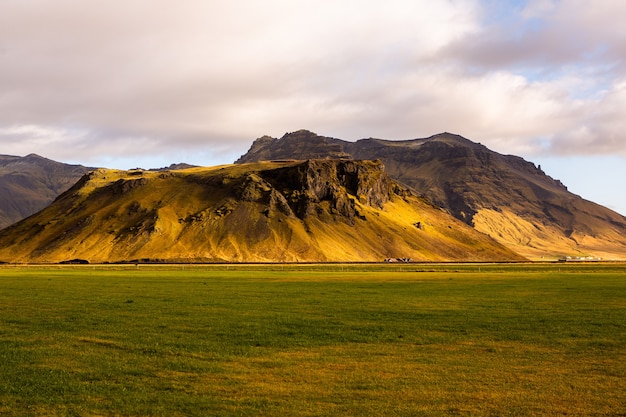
[[312, 340]]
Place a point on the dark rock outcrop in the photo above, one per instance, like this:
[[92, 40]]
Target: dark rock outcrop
[[299, 145], [298, 189]]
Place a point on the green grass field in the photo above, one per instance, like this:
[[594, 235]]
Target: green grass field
[[352, 340]]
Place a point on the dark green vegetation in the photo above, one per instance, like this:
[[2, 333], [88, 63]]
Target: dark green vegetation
[[357, 340]]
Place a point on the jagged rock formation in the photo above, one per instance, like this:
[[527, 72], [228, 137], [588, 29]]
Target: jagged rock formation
[[315, 211], [504, 196], [299, 145], [174, 167], [30, 183]]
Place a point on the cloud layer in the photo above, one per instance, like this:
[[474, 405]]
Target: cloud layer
[[201, 79]]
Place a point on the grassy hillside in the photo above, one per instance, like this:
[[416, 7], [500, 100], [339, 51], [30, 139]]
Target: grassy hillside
[[265, 212]]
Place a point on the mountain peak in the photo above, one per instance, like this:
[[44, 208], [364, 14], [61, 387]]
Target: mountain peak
[[298, 145], [452, 138], [299, 134]]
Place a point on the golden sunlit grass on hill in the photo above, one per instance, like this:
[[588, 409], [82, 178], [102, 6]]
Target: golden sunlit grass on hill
[[299, 211], [521, 234]]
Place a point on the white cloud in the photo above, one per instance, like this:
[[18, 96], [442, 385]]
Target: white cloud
[[538, 9], [200, 72], [20, 138], [599, 129], [149, 77]]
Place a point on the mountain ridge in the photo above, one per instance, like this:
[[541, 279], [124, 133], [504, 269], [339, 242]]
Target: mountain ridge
[[505, 196]]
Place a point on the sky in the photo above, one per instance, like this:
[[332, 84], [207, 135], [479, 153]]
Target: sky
[[147, 83]]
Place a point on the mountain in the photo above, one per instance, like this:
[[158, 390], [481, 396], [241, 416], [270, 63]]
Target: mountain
[[504, 196], [174, 167], [30, 183], [315, 210]]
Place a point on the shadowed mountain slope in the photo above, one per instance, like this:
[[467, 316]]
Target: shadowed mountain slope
[[288, 211], [505, 196], [30, 183]]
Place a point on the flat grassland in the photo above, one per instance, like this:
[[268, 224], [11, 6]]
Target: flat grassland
[[313, 340]]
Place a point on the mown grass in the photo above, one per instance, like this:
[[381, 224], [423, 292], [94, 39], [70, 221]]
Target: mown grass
[[358, 340]]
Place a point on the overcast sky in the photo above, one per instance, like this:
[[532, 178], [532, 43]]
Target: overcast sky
[[147, 83]]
